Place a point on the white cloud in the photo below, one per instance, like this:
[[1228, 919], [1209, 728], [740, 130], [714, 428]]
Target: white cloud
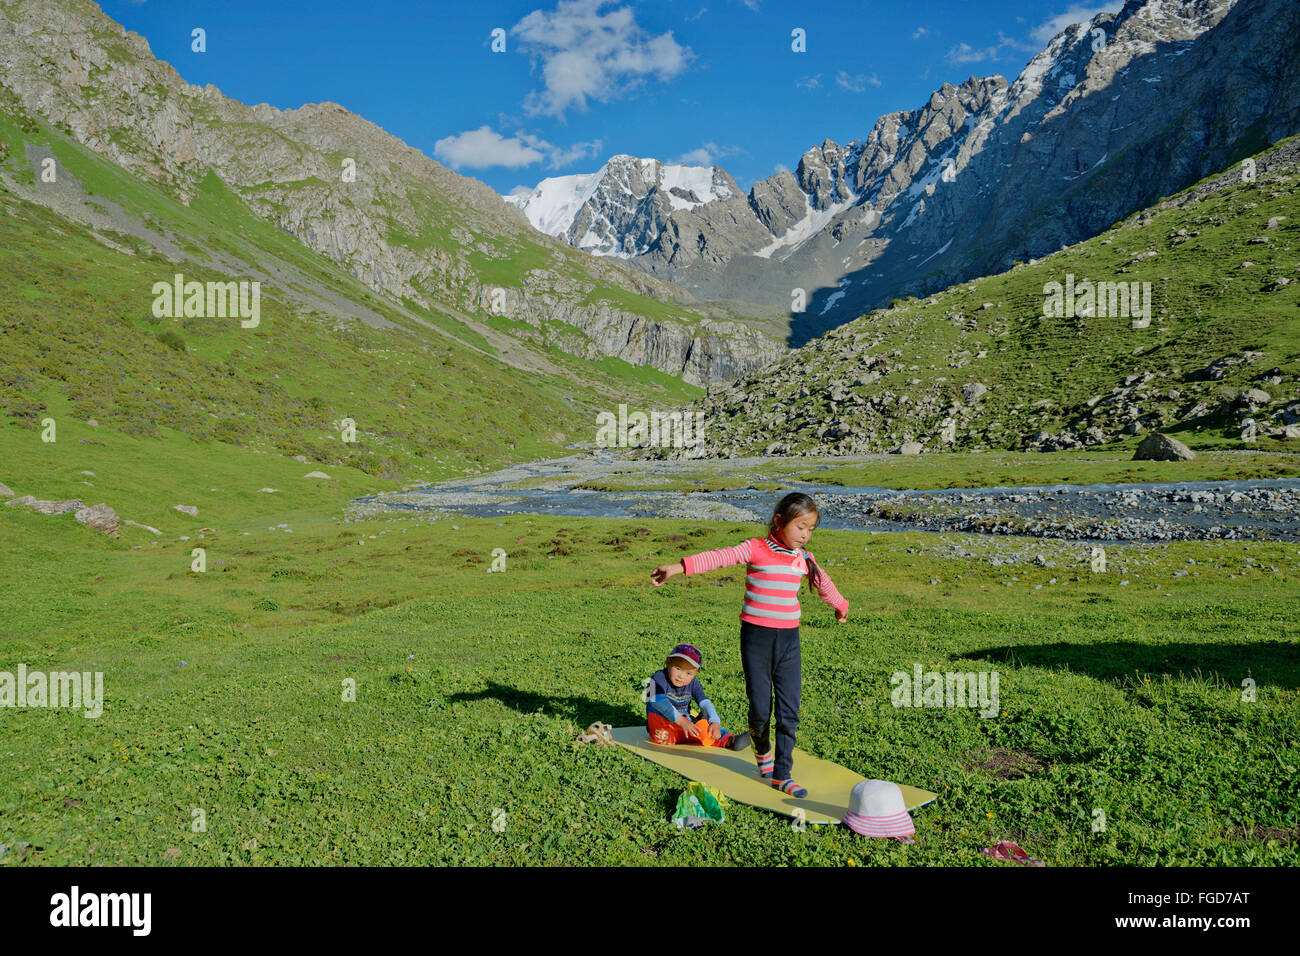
[[920, 32], [695, 157], [810, 82], [484, 147], [706, 154], [1079, 13], [586, 54], [965, 53], [563, 155], [856, 84]]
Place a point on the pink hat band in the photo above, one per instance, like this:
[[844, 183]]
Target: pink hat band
[[896, 824]]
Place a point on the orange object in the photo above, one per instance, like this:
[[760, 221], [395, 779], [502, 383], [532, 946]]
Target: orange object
[[666, 732]]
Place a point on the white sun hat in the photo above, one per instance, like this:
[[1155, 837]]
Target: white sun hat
[[876, 809]]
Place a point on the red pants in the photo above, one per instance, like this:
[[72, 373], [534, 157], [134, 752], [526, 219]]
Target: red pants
[[666, 732]]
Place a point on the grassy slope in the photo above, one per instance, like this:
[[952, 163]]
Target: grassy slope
[[1204, 305], [77, 325]]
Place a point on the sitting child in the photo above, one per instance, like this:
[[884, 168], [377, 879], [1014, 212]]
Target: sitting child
[[668, 708]]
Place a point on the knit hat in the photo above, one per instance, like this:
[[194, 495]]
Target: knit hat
[[876, 809], [689, 653]]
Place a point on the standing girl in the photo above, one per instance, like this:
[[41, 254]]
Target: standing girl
[[769, 625]]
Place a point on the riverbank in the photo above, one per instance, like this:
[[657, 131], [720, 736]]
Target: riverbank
[[1235, 503]]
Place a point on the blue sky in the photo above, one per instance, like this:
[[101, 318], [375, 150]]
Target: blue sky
[[693, 81]]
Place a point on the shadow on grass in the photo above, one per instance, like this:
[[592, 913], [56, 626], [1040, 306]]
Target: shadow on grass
[[583, 711], [1276, 663]]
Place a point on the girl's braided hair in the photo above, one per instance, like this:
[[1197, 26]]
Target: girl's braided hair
[[793, 505]]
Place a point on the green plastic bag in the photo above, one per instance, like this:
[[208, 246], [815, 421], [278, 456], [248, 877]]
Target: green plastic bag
[[698, 805]]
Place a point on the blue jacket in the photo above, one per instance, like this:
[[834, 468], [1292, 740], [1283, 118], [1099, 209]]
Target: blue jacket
[[671, 702]]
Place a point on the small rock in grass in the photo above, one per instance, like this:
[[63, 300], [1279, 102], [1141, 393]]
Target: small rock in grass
[[317, 474], [188, 509], [100, 517]]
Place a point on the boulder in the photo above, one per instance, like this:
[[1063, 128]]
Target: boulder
[[100, 517], [190, 510], [316, 474], [136, 524], [1157, 447], [5, 491], [973, 391], [1290, 415], [1216, 369], [908, 448]]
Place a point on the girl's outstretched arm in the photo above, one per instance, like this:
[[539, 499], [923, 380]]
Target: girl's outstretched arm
[[718, 558], [704, 561], [665, 571]]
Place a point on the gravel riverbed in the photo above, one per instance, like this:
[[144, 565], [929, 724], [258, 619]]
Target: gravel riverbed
[[1256, 509]]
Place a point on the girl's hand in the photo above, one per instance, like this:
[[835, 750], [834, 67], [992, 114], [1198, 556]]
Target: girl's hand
[[665, 571], [842, 616], [715, 728], [688, 728]]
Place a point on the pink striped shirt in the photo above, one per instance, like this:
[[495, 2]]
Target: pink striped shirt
[[772, 581]]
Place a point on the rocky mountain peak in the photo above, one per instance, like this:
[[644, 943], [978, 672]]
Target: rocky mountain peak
[[1059, 153]]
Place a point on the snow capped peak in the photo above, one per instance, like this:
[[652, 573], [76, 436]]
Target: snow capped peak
[[1102, 46], [614, 192], [552, 205]]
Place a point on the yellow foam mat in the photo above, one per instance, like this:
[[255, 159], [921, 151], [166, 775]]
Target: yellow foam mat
[[735, 773]]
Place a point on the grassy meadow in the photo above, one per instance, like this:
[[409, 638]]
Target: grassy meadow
[[1119, 692], [1148, 715]]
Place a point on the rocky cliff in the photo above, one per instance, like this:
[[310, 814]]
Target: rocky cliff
[[1112, 115], [401, 223]]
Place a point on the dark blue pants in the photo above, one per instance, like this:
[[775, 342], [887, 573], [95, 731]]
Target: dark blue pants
[[771, 660]]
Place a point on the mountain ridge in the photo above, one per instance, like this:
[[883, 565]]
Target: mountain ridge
[[910, 207], [404, 225]]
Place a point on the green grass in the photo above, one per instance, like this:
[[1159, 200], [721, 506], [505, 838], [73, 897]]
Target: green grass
[[224, 694], [638, 304], [958, 470]]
